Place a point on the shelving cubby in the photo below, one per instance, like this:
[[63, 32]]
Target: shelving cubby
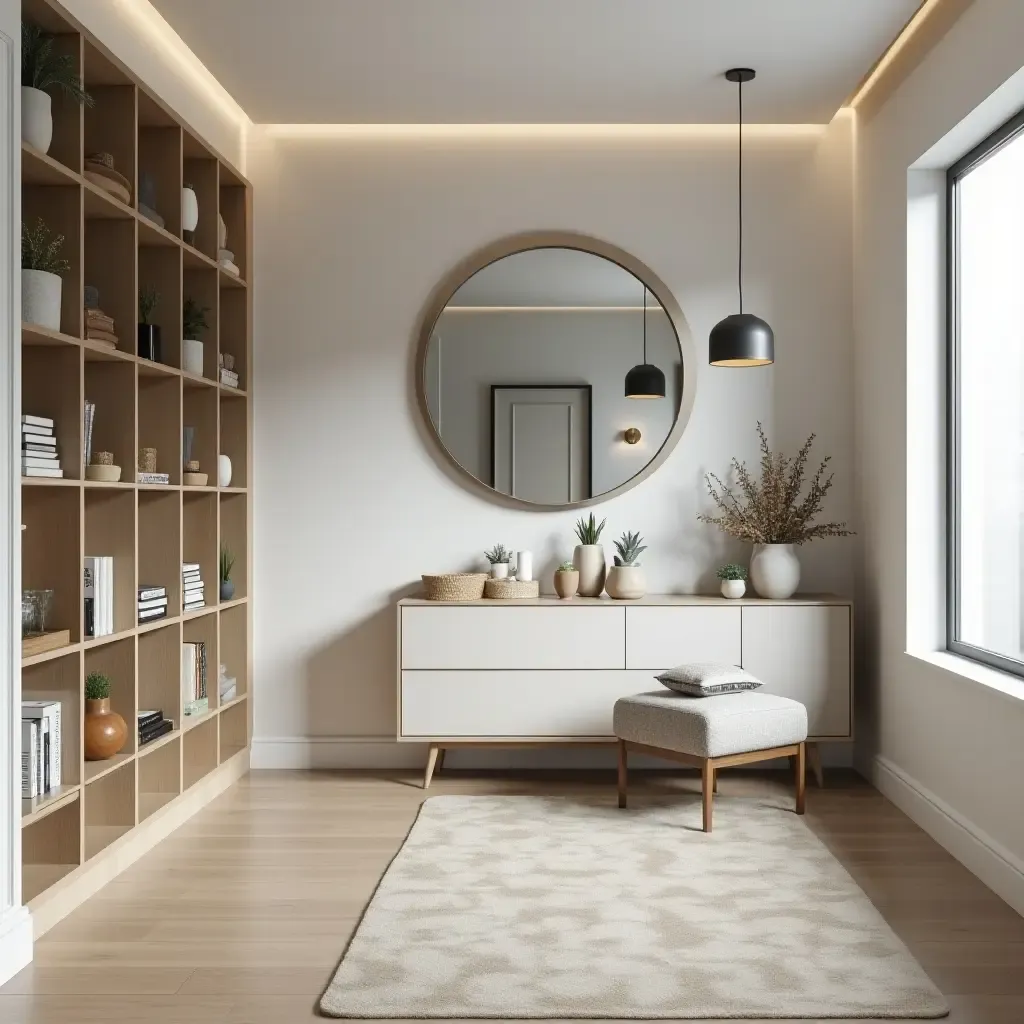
[[149, 530]]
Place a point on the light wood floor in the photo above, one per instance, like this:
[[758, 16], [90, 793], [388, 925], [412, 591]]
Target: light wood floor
[[240, 916]]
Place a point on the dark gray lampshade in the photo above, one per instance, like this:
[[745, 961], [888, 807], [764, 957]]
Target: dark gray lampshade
[[741, 339], [645, 380]]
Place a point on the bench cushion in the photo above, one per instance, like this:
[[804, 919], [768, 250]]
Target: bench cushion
[[731, 723]]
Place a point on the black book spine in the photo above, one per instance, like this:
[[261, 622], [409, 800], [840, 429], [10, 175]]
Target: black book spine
[[156, 732]]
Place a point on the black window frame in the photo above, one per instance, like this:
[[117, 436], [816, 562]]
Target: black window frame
[[988, 147]]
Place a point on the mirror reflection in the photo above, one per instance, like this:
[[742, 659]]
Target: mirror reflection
[[534, 373]]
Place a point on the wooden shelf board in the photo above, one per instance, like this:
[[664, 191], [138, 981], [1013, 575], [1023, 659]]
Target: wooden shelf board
[[234, 700], [98, 769], [159, 487], [151, 235], [48, 481], [36, 334], [227, 389], [57, 652], [148, 627], [205, 488], [37, 878], [122, 485], [41, 806], [149, 368], [156, 744], [189, 722], [192, 258], [232, 490], [233, 603], [199, 613], [229, 280], [195, 380], [37, 168], [110, 638], [99, 837], [101, 205], [150, 803], [97, 353]]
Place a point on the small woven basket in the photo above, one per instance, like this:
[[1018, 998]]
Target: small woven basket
[[454, 586], [102, 458], [147, 460], [511, 590], [192, 467]]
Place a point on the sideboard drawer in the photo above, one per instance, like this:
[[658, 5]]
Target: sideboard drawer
[[658, 638], [533, 705], [507, 637]]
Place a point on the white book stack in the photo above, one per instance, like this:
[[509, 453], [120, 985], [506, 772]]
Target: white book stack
[[39, 448], [152, 603], [40, 747], [229, 377], [98, 585], [192, 587]]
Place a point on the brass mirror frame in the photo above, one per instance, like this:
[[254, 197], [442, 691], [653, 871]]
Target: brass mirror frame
[[509, 246]]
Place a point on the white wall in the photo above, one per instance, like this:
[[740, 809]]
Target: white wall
[[350, 504], [946, 747]]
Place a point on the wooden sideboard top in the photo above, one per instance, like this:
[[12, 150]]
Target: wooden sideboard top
[[650, 601]]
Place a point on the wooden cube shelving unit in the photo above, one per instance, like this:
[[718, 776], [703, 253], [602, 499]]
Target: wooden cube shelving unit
[[148, 529]]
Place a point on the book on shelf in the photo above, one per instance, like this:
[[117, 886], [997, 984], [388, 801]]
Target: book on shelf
[[229, 377], [36, 421], [154, 613], [190, 567], [38, 451], [35, 472], [98, 588], [29, 759], [89, 417], [29, 460], [47, 713], [161, 728], [47, 441], [37, 430], [193, 677], [149, 593], [148, 717], [153, 603], [153, 478]]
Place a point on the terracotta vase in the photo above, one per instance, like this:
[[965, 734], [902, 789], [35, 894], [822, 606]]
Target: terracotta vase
[[105, 731], [567, 583]]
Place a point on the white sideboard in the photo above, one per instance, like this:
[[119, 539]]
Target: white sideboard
[[549, 671]]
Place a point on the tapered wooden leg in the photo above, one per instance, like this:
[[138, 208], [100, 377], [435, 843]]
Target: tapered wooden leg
[[623, 773], [814, 759], [431, 762], [714, 781], [707, 778], [440, 760], [801, 778]]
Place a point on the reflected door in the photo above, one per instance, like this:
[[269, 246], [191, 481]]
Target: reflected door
[[541, 442]]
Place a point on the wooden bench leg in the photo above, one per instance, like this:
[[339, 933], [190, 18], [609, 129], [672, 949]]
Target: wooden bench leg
[[440, 760], [431, 762], [801, 778], [623, 773], [707, 778], [714, 781]]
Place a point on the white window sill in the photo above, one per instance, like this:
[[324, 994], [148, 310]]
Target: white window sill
[[1004, 682]]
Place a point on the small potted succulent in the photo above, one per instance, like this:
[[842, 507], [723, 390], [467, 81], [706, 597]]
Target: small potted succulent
[[499, 557], [567, 581], [42, 72], [734, 580], [105, 731], [148, 332], [193, 323], [41, 281], [625, 578], [588, 556], [227, 563]]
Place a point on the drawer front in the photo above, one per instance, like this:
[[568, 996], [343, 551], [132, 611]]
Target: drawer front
[[659, 638], [803, 653], [514, 705], [506, 637]]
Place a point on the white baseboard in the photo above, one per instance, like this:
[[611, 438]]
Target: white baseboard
[[996, 866], [15, 942]]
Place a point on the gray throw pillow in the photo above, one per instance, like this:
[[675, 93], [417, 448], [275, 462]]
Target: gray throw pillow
[[707, 678]]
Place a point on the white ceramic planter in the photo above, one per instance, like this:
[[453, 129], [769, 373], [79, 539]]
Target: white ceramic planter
[[36, 118], [590, 563], [192, 356], [223, 471], [775, 571], [499, 571], [733, 588], [40, 298], [189, 210], [626, 582]]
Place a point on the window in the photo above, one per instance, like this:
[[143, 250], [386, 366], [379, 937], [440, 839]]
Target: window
[[986, 401]]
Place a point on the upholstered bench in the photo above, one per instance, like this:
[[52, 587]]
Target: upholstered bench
[[711, 733]]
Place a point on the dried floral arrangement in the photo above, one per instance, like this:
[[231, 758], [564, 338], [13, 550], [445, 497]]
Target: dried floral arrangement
[[770, 510]]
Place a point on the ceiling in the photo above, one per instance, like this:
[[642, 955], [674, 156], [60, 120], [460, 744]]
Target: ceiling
[[536, 61]]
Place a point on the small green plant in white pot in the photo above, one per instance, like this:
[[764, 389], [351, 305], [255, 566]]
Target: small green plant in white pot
[[588, 556], [41, 269], [42, 72], [499, 557], [227, 563], [625, 578], [567, 581], [734, 580]]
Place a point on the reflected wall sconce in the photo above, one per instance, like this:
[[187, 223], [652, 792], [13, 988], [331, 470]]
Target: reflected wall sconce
[[631, 436]]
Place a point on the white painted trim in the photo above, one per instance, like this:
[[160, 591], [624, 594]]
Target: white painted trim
[[1000, 869], [15, 942]]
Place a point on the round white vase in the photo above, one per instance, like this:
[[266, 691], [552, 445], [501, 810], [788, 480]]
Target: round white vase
[[733, 588], [36, 118], [223, 471], [775, 571], [499, 571], [589, 562], [40, 298], [192, 356], [626, 582], [189, 210]]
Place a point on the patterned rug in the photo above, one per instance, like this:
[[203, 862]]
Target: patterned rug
[[527, 907]]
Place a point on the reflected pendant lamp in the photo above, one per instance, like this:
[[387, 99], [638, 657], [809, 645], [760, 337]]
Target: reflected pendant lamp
[[645, 380], [741, 339]]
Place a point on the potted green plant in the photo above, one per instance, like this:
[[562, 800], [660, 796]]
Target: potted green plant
[[42, 71], [105, 731], [567, 581], [41, 269], [193, 323], [734, 580], [770, 513], [588, 556], [499, 557], [148, 332], [625, 578], [227, 563]]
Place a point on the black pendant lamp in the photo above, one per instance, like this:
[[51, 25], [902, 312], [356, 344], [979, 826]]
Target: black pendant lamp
[[645, 380], [741, 339]]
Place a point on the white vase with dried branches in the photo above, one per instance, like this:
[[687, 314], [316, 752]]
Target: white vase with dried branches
[[770, 513]]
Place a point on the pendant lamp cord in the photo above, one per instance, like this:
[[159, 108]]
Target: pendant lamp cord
[[739, 270], [645, 324]]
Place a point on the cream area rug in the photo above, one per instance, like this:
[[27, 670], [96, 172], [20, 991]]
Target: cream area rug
[[534, 907]]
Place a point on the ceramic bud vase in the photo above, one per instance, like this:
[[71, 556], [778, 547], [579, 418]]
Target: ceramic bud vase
[[733, 588], [227, 590], [36, 118], [105, 731], [524, 566], [775, 571], [223, 471], [40, 298], [499, 570], [149, 342], [626, 582], [567, 583], [189, 213], [590, 563]]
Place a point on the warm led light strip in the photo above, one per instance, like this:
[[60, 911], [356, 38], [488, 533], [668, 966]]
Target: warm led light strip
[[551, 309]]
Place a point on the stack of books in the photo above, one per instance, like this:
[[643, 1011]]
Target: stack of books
[[39, 447], [193, 679], [153, 478], [153, 725], [152, 603], [229, 377], [192, 586], [40, 747], [98, 582]]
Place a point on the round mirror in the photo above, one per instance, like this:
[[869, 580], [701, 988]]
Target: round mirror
[[554, 374]]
